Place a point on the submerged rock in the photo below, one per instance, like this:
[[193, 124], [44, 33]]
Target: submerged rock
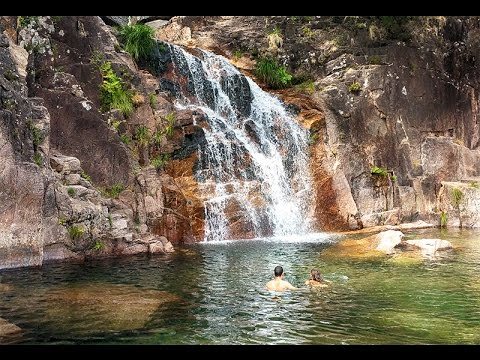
[[429, 247], [111, 307], [7, 330]]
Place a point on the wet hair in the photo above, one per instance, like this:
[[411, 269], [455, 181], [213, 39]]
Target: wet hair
[[278, 271], [315, 275]]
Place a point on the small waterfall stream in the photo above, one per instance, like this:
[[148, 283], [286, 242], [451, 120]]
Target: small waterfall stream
[[253, 167]]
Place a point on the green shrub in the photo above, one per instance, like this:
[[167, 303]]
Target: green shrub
[[114, 191], [153, 100], [443, 219], [138, 40], [237, 55], [142, 135], [126, 139], [474, 184], [170, 124], [71, 191], [306, 86], [457, 197], [98, 245], [160, 161], [75, 232], [380, 171], [273, 74], [110, 221], [355, 87], [113, 94], [37, 158], [85, 176]]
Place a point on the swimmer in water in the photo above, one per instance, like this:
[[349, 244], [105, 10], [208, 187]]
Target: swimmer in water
[[278, 284], [316, 279]]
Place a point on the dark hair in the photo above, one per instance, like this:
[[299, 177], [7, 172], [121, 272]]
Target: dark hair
[[315, 275], [278, 271]]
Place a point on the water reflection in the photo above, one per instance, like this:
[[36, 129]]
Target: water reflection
[[215, 294]]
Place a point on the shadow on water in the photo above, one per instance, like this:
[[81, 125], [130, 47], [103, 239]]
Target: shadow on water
[[215, 294]]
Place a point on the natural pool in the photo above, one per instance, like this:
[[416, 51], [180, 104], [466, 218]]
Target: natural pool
[[214, 294]]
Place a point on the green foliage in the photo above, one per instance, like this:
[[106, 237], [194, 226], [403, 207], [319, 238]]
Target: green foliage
[[10, 75], [313, 138], [396, 26], [443, 219], [474, 184], [126, 139], [170, 124], [37, 158], [379, 171], [160, 161], [71, 191], [24, 21], [153, 100], [114, 191], [113, 94], [85, 176], [35, 133], [307, 32], [98, 245], [394, 178], [275, 31], [116, 124], [273, 74], [355, 87], [306, 87], [237, 55], [138, 40], [142, 135], [457, 197], [158, 137], [110, 221], [62, 221], [75, 232]]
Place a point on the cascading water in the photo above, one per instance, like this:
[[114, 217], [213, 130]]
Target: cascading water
[[253, 165]]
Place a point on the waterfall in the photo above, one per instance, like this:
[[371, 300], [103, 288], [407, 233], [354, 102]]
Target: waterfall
[[253, 167]]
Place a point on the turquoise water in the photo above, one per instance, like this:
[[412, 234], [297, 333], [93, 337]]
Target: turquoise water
[[214, 294]]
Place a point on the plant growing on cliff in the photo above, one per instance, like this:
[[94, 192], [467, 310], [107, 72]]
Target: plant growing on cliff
[[457, 197], [113, 94], [142, 135], [474, 184], [75, 232], [37, 158], [170, 124], [274, 75], [153, 100], [443, 219], [355, 87], [379, 171], [138, 40], [71, 191], [85, 176], [126, 139], [113, 191], [160, 161], [110, 221], [98, 245]]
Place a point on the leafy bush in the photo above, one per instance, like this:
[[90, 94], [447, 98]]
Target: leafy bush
[[126, 139], [114, 191], [142, 135], [273, 74], [170, 124], [71, 191], [98, 245], [160, 161], [457, 197], [153, 100], [37, 158], [75, 232], [138, 40], [380, 171], [355, 87], [443, 219], [113, 94], [85, 176]]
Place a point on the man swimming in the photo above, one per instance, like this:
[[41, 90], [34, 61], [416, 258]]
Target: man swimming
[[278, 284]]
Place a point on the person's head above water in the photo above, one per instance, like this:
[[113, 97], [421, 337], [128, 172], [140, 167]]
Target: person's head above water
[[278, 271], [315, 275]]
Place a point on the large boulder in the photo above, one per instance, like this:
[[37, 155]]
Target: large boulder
[[429, 247]]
